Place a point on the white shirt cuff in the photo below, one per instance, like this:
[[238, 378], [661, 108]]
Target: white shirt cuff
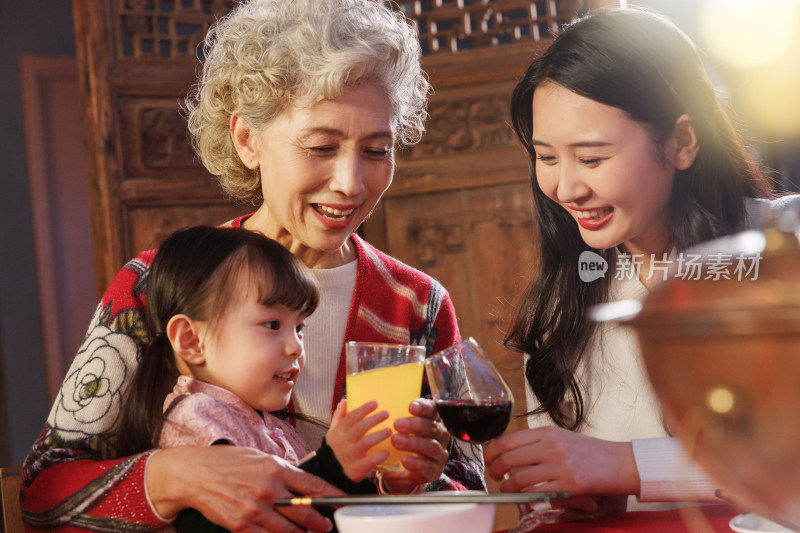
[[667, 474]]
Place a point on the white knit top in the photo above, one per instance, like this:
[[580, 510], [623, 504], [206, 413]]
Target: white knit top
[[325, 331]]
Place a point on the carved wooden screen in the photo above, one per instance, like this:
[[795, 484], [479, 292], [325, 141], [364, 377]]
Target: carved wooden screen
[[459, 207], [137, 60]]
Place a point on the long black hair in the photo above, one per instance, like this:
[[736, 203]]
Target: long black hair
[[195, 273], [642, 64]]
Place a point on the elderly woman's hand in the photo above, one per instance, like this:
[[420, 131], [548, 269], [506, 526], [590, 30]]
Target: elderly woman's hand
[[426, 438], [234, 487]]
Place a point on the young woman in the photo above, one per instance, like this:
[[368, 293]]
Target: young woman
[[633, 159], [227, 309]]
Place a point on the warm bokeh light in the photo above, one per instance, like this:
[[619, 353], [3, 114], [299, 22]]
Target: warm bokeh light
[[758, 43], [720, 400], [747, 33]]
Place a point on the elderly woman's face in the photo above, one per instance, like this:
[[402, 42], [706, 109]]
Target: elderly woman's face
[[324, 168]]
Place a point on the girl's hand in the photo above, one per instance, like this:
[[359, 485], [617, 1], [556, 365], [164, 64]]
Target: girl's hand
[[424, 435], [234, 487], [347, 438], [556, 459]]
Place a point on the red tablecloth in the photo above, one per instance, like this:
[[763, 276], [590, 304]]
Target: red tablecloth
[[704, 519]]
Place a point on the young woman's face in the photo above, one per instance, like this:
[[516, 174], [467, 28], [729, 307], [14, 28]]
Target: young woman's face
[[255, 351], [323, 170], [603, 168]]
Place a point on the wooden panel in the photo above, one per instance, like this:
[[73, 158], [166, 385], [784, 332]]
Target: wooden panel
[[448, 26], [477, 243], [136, 61], [10, 483], [467, 143], [165, 29], [154, 138], [151, 225]]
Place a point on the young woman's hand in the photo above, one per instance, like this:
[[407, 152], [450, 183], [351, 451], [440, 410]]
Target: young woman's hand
[[234, 487], [555, 459], [349, 442], [426, 438]]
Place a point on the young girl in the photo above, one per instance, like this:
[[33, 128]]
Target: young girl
[[226, 309], [633, 159]]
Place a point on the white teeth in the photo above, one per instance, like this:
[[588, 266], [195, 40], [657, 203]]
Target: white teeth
[[336, 214], [285, 377], [594, 213]]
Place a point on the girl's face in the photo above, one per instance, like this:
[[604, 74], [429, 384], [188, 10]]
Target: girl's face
[[254, 351], [603, 168], [323, 169]]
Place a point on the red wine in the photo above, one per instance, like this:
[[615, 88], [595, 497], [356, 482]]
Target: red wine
[[473, 421]]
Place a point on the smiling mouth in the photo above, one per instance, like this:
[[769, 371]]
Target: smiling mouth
[[286, 376], [593, 213], [336, 215]]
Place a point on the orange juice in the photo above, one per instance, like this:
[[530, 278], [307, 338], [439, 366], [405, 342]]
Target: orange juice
[[394, 388]]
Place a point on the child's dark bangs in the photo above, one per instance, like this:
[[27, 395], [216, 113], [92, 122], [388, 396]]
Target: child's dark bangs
[[278, 280]]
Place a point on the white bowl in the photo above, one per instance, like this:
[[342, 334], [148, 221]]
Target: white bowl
[[751, 523], [416, 518]]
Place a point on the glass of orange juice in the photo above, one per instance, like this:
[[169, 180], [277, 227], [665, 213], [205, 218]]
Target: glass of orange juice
[[390, 374]]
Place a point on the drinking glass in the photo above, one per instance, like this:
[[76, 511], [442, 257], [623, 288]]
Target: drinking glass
[[471, 396], [475, 405], [390, 374]]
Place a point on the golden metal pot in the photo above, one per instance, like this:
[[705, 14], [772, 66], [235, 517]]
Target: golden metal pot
[[723, 356]]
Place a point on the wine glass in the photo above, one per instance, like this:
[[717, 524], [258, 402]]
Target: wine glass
[[471, 396], [475, 405]]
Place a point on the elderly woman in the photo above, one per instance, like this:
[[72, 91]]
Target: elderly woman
[[299, 109]]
